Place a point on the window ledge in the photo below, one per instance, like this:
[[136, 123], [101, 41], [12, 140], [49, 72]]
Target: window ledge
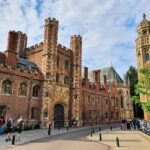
[[22, 96], [5, 94], [35, 97]]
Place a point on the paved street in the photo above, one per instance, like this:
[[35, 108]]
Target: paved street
[[30, 136], [70, 141], [80, 138], [128, 140]]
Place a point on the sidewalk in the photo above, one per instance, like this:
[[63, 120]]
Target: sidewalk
[[31, 135], [128, 140]]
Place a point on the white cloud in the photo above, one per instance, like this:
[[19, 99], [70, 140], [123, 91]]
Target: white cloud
[[108, 27]]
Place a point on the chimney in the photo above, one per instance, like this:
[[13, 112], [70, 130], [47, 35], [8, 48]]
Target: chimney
[[105, 82], [96, 78], [12, 41], [10, 53], [85, 72]]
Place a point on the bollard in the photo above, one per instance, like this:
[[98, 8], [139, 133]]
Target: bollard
[[100, 137], [93, 130], [91, 133], [117, 142], [110, 127], [58, 127], [99, 128], [13, 140], [67, 128], [49, 129], [121, 127]]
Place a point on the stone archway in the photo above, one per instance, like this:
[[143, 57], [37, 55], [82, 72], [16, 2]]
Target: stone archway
[[58, 115]]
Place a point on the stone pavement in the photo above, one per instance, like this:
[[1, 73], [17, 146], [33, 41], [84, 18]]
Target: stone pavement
[[31, 135], [128, 139]]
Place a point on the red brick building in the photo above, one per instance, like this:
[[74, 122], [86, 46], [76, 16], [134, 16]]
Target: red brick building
[[100, 103], [21, 81], [44, 82]]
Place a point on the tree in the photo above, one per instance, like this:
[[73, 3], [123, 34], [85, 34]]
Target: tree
[[131, 79], [143, 88]]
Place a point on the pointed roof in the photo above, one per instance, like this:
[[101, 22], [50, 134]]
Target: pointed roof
[[144, 22], [111, 75]]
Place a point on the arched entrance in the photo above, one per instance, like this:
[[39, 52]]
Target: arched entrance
[[58, 115]]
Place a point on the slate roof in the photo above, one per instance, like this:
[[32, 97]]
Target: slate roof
[[27, 65], [111, 75]]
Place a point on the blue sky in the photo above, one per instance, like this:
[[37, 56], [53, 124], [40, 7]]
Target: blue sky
[[108, 27]]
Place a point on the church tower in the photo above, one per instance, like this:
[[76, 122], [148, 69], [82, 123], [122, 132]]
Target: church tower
[[76, 47], [143, 43], [143, 51]]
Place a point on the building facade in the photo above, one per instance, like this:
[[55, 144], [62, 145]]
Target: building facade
[[20, 82], [44, 82], [113, 78], [143, 51], [100, 104]]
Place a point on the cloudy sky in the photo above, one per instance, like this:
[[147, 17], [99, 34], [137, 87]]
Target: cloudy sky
[[108, 27]]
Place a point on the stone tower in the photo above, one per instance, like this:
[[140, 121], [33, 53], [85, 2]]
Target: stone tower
[[50, 48], [143, 51], [49, 63], [76, 47], [143, 43]]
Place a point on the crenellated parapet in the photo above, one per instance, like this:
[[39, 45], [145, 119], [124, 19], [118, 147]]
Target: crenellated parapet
[[33, 47], [51, 21], [63, 50], [59, 46], [76, 37], [17, 32]]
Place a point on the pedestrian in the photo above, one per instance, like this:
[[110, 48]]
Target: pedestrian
[[19, 127], [9, 126], [138, 124], [123, 124], [2, 122], [134, 124], [128, 125]]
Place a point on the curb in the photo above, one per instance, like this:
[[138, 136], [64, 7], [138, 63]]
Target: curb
[[55, 135], [145, 136]]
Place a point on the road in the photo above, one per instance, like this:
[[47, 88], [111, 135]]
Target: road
[[68, 141]]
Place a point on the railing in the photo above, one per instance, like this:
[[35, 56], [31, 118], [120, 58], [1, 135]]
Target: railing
[[145, 129]]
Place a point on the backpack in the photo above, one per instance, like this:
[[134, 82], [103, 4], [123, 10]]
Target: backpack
[[8, 124], [19, 124]]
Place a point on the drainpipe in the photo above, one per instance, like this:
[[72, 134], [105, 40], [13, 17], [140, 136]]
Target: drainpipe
[[29, 101]]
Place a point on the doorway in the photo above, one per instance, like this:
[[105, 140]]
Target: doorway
[[58, 116]]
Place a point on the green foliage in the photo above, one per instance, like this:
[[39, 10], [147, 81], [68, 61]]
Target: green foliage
[[146, 106], [131, 79], [136, 99], [143, 87]]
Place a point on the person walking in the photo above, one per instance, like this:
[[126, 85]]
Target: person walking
[[2, 122], [19, 127], [9, 126]]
